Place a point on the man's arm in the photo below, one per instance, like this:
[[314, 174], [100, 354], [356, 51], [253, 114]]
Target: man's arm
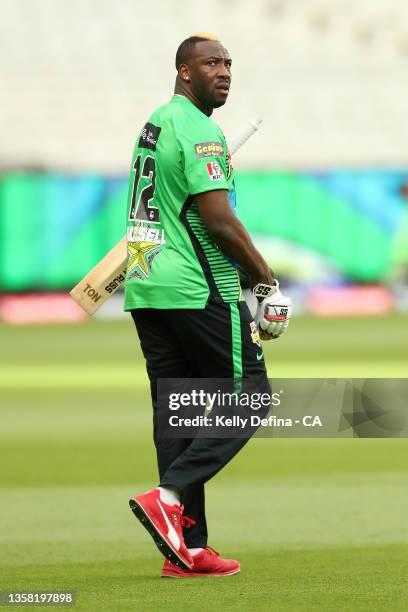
[[231, 236]]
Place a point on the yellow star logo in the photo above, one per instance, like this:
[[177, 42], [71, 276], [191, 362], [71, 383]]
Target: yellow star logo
[[137, 255]]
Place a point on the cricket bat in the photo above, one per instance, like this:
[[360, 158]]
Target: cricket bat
[[110, 273]]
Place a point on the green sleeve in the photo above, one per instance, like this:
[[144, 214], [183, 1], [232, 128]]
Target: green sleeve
[[204, 153]]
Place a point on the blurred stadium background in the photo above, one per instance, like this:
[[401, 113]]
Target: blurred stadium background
[[323, 190], [323, 187]]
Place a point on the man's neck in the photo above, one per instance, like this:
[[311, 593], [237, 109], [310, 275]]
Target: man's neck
[[181, 90]]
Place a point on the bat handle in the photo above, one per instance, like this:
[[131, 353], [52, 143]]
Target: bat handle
[[255, 122], [251, 127]]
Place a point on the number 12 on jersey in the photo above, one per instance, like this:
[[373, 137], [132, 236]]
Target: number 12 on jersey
[[144, 185]]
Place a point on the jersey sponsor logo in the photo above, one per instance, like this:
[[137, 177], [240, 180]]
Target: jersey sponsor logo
[[149, 136], [255, 334], [215, 171], [208, 149]]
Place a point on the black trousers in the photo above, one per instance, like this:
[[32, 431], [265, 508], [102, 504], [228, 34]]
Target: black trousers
[[217, 342]]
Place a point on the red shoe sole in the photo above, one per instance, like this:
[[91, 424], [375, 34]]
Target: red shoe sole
[[162, 544], [198, 575]]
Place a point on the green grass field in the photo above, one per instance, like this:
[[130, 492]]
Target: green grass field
[[316, 524]]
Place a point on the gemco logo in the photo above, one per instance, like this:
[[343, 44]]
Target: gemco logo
[[207, 149]]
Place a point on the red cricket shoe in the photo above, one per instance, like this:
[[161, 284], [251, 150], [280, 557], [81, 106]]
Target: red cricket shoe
[[205, 563], [164, 523]]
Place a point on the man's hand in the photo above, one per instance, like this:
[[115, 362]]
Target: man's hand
[[273, 312]]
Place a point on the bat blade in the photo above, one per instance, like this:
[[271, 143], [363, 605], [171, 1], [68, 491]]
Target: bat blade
[[103, 280]]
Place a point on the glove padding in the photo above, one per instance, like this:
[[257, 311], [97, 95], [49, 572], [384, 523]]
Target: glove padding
[[273, 312]]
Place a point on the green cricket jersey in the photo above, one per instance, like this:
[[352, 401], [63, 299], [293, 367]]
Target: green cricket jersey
[[172, 260]]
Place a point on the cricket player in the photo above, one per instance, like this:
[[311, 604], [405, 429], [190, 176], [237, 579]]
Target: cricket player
[[183, 290]]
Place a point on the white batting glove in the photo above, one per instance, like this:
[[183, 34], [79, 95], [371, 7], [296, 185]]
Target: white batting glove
[[273, 312]]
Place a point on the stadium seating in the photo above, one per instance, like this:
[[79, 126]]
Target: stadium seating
[[329, 79]]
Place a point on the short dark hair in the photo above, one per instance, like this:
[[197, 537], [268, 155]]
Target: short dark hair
[[185, 50]]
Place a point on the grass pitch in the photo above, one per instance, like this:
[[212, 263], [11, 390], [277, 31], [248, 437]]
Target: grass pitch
[[316, 524]]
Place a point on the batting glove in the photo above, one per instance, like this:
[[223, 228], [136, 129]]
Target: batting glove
[[273, 312]]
